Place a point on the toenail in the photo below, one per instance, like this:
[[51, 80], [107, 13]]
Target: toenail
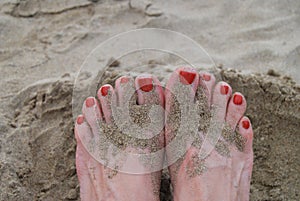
[[224, 89], [89, 102], [206, 77], [104, 90], [237, 99], [245, 124], [145, 84], [187, 77], [80, 119], [124, 80]]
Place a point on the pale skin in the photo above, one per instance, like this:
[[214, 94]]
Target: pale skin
[[226, 178]]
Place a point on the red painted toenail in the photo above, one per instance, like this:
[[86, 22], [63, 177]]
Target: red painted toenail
[[146, 84], [224, 89], [187, 77], [124, 80], [80, 119], [246, 124], [237, 99], [89, 102], [104, 90], [206, 77]]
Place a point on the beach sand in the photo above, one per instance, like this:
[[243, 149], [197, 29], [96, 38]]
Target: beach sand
[[255, 44]]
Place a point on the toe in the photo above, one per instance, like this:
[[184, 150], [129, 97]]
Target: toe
[[80, 119], [89, 189], [124, 90], [245, 129], [185, 76], [183, 82], [82, 158], [180, 94], [83, 134], [236, 109], [207, 82], [82, 131], [149, 90], [221, 95], [92, 114], [106, 94]]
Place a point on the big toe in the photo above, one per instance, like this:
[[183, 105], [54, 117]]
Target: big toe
[[125, 91], [182, 87], [150, 95], [92, 114], [149, 90]]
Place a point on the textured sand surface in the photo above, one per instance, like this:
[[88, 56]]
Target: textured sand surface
[[43, 44]]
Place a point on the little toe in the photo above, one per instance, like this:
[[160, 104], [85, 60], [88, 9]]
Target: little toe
[[245, 129], [82, 130], [83, 134], [106, 95], [221, 96], [236, 109], [92, 114], [149, 90], [207, 82]]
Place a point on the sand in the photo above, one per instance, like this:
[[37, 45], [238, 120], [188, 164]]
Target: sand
[[43, 44]]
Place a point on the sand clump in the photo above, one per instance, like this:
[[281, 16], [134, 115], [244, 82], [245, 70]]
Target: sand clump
[[115, 136]]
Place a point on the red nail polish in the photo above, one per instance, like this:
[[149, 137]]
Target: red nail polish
[[124, 80], [237, 99], [206, 77], [187, 77], [89, 102], [245, 124], [145, 84], [104, 90], [224, 89], [80, 119]]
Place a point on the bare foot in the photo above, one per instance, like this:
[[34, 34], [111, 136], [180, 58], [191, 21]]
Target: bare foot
[[98, 182], [218, 163]]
